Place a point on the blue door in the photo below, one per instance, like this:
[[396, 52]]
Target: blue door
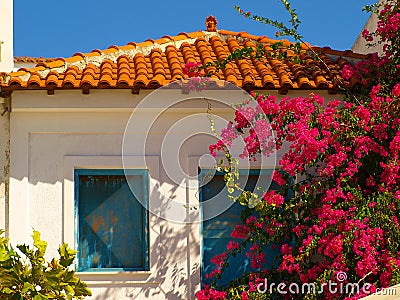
[[216, 231]]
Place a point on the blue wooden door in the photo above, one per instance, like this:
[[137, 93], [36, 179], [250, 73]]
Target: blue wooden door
[[216, 231]]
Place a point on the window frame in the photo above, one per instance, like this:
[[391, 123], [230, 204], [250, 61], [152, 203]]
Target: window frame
[[144, 173]]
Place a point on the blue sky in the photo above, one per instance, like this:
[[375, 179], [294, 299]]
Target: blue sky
[[59, 28]]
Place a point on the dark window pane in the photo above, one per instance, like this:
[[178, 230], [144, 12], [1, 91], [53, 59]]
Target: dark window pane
[[111, 221]]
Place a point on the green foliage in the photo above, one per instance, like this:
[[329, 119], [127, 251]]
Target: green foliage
[[283, 29], [24, 273], [278, 50]]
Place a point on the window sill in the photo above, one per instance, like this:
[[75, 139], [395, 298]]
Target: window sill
[[117, 278], [114, 273]]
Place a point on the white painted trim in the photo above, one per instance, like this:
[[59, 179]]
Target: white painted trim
[[100, 279]]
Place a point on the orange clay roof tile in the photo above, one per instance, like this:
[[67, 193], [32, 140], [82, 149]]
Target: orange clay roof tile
[[196, 34], [127, 47], [180, 37], [109, 51], [16, 81], [59, 62], [35, 80], [155, 63], [93, 53], [75, 58], [52, 78], [34, 60]]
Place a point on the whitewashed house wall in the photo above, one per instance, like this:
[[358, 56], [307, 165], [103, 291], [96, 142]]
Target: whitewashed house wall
[[52, 135]]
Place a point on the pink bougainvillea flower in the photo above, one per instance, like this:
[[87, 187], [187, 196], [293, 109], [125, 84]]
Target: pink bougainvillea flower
[[278, 178], [348, 72], [396, 90]]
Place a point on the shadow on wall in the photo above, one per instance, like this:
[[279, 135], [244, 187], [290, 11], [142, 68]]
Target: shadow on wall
[[171, 271]]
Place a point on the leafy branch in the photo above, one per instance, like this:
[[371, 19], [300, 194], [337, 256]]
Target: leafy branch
[[293, 32], [24, 274], [283, 29]]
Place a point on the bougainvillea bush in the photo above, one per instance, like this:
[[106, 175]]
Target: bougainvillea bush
[[339, 235]]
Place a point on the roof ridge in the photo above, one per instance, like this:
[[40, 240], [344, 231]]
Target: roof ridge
[[32, 59]]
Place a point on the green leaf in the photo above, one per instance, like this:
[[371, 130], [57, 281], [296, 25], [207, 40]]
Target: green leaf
[[38, 243], [27, 287], [40, 296], [6, 290], [4, 255], [25, 250], [67, 255], [69, 289]]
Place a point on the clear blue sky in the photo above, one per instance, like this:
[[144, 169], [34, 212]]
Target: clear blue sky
[[59, 28]]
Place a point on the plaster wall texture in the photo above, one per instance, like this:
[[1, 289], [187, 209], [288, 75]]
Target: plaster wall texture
[[4, 161], [359, 45]]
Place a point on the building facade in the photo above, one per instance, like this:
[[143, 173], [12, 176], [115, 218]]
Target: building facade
[[108, 151]]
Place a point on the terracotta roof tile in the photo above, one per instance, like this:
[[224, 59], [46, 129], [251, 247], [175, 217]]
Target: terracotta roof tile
[[74, 58], [35, 80], [59, 62], [34, 60], [197, 34], [155, 63], [109, 51], [16, 81], [127, 47], [52, 79], [94, 53]]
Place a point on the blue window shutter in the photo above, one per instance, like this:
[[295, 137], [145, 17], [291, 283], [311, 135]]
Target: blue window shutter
[[216, 231], [111, 222]]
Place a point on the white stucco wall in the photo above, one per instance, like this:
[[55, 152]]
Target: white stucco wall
[[51, 135], [6, 36], [360, 45], [4, 159]]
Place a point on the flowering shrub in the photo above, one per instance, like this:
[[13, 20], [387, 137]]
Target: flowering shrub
[[344, 216], [192, 69], [209, 293]]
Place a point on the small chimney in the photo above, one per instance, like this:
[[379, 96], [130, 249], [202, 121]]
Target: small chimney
[[6, 36], [211, 23]]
